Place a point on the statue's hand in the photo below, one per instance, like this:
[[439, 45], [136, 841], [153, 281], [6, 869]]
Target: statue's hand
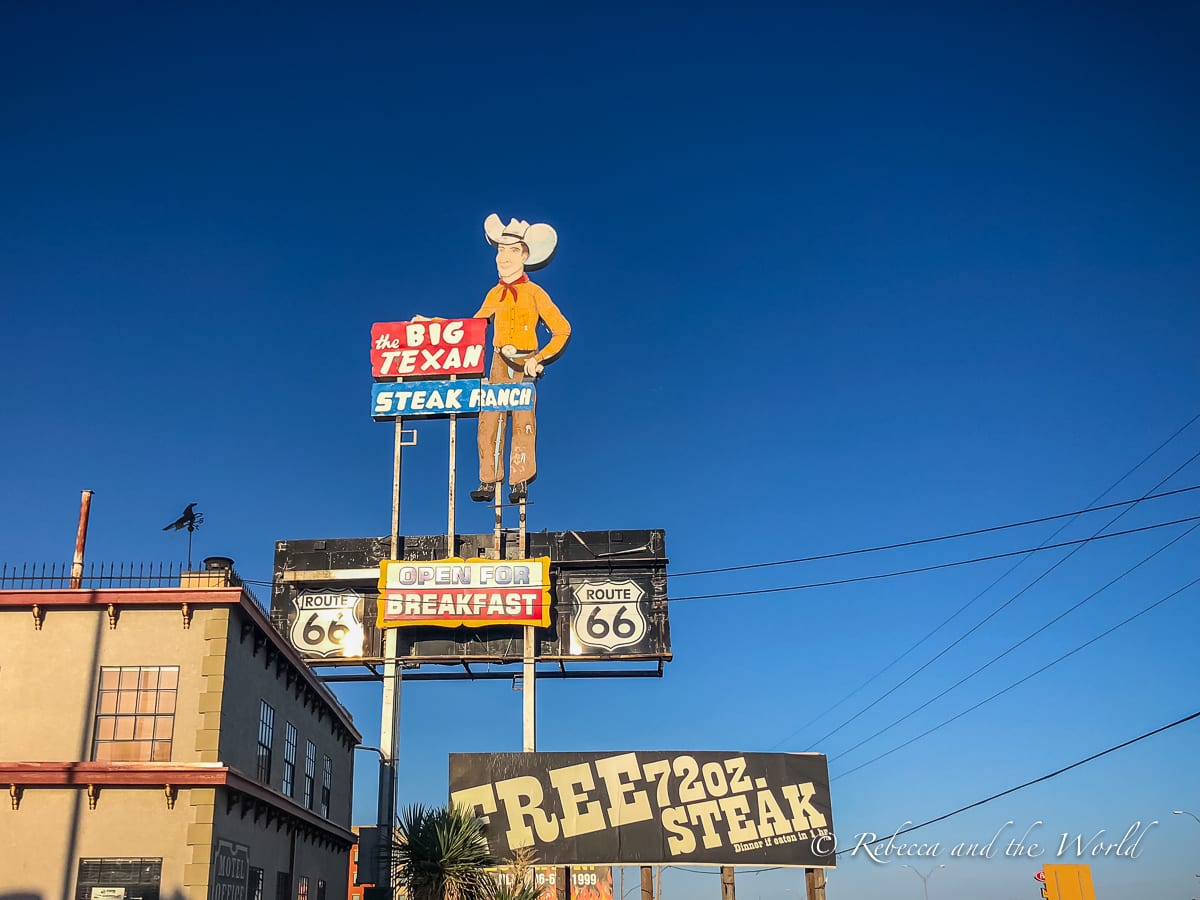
[[533, 368]]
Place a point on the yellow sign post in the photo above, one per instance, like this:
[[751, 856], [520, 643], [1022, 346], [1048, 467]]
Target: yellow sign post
[[1068, 882]]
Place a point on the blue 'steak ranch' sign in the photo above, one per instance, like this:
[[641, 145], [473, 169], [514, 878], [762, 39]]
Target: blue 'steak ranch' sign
[[467, 396]]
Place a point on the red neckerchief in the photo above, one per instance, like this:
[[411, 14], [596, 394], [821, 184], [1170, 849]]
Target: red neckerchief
[[510, 287]]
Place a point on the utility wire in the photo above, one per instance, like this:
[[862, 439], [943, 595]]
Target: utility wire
[[1091, 505], [1019, 787], [1046, 777], [943, 537], [920, 541], [933, 568], [1021, 681], [711, 871], [903, 544], [999, 656], [1096, 535], [861, 578]]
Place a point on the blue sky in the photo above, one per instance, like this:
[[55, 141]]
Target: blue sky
[[837, 279]]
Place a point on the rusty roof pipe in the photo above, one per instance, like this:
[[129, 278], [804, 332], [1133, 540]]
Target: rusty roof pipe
[[85, 509]]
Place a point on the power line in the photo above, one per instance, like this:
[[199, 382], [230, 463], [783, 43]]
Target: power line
[[1046, 777], [717, 871], [860, 578], [1096, 535], [1021, 681], [1019, 787], [1145, 459], [946, 537], [1013, 568], [929, 540], [933, 568], [1062, 615], [932, 540], [903, 544]]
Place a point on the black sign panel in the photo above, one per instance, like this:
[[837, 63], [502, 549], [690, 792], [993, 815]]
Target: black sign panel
[[651, 807], [608, 599], [229, 879]]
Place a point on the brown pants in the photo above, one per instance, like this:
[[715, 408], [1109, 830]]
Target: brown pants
[[523, 460]]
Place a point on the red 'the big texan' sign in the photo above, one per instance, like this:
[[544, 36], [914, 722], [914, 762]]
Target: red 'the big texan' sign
[[429, 349]]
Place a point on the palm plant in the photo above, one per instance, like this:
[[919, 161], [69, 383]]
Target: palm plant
[[442, 854], [515, 881], [516, 890]]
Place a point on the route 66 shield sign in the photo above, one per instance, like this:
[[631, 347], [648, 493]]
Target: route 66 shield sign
[[327, 623], [608, 614]]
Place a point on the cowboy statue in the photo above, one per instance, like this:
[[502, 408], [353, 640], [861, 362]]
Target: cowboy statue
[[516, 305]]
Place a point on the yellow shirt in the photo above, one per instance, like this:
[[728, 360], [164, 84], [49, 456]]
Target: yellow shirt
[[515, 321]]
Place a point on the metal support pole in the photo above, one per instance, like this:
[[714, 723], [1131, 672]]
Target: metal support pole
[[499, 487], [529, 662], [814, 883], [389, 725], [85, 509], [450, 533], [727, 890], [529, 692], [658, 882], [521, 548], [562, 883], [498, 530], [925, 877], [647, 883]]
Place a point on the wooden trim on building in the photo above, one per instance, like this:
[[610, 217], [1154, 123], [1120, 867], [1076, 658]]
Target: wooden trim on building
[[53, 774], [86, 598], [240, 790]]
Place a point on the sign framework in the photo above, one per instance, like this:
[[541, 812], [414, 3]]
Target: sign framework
[[577, 559]]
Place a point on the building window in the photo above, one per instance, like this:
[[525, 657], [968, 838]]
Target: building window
[[326, 784], [256, 883], [283, 886], [135, 713], [310, 772], [289, 760], [139, 877], [302, 888], [266, 736]]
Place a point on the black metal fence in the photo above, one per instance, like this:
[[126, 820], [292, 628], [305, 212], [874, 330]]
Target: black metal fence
[[106, 576]]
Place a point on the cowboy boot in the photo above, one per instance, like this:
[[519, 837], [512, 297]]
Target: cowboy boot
[[485, 493], [518, 492]]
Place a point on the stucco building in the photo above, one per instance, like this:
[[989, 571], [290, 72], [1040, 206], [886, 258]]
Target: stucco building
[[166, 744]]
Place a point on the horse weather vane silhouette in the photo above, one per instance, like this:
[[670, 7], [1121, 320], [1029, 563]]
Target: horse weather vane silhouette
[[191, 520]]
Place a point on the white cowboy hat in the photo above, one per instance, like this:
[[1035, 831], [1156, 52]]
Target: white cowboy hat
[[541, 239]]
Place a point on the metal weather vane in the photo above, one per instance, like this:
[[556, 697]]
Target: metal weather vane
[[189, 519]]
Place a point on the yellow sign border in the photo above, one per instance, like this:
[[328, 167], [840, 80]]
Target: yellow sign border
[[468, 622]]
